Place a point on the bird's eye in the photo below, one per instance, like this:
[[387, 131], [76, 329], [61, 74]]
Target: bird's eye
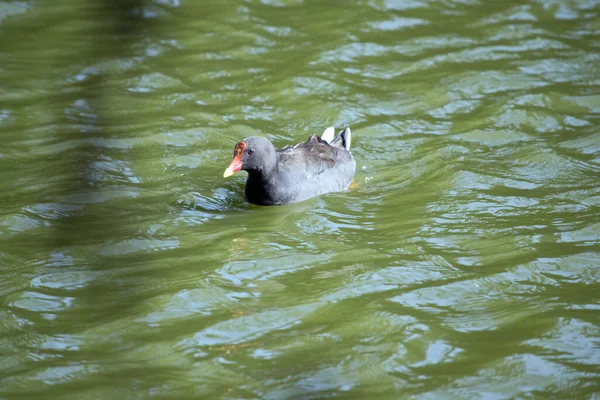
[[250, 152]]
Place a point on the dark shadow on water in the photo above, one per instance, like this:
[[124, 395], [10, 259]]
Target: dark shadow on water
[[87, 115], [118, 26]]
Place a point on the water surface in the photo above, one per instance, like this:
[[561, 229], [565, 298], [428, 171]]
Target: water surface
[[465, 265]]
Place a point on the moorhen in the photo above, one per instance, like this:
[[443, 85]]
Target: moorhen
[[294, 173]]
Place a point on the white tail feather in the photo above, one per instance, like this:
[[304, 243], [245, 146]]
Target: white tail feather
[[328, 134], [348, 138]]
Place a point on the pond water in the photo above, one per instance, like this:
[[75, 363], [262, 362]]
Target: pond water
[[464, 265]]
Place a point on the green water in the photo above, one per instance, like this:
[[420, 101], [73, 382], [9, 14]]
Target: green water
[[465, 265]]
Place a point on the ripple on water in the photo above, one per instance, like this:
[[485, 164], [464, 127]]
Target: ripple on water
[[268, 266], [64, 279], [572, 341], [60, 343], [580, 68], [589, 144], [250, 327], [200, 208], [396, 23], [133, 246], [533, 375], [486, 303], [494, 137], [13, 224], [97, 196], [188, 303], [46, 305], [545, 166], [587, 236]]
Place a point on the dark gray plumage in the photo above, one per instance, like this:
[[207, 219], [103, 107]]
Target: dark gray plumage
[[293, 173]]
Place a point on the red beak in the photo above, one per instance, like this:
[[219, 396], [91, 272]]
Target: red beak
[[236, 164], [234, 167]]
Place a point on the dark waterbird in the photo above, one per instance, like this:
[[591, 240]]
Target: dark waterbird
[[294, 173]]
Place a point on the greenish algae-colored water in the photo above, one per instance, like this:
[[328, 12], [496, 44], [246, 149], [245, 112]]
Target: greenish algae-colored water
[[464, 266]]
